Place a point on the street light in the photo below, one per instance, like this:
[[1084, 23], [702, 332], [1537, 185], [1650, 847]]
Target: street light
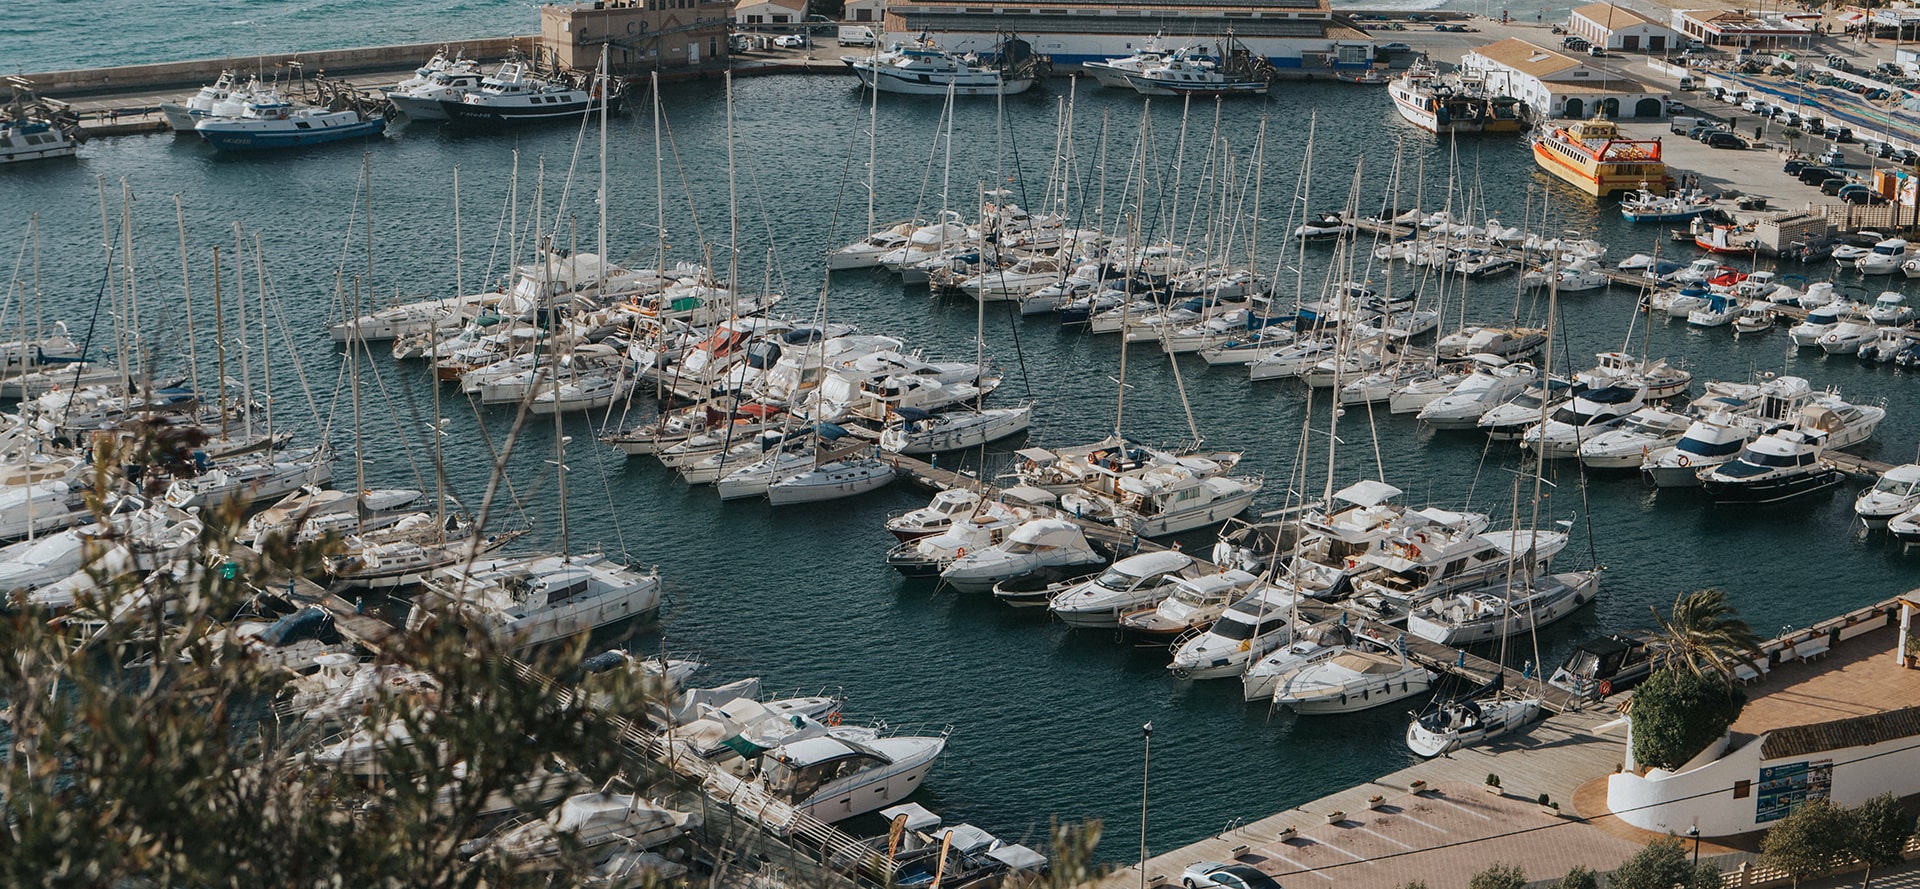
[[1694, 832], [1146, 763]]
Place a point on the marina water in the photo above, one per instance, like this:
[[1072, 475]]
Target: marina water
[[1046, 722]]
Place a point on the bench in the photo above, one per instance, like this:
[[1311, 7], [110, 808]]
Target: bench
[[1812, 648], [1746, 673]]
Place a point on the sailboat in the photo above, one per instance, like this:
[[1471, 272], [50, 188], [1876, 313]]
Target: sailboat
[[1470, 719]]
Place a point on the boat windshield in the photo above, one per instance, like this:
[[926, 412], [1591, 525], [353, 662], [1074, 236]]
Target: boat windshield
[[1189, 596], [1234, 629], [1708, 448], [1896, 486], [1116, 579]]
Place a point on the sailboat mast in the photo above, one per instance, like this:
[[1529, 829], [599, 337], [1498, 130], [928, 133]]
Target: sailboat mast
[[659, 184], [873, 154], [733, 201], [186, 290], [220, 340], [359, 435], [606, 98], [459, 270], [266, 347], [133, 295], [240, 308]]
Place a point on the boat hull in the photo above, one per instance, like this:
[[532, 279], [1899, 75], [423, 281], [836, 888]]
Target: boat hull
[[1599, 179], [237, 139], [1771, 490]]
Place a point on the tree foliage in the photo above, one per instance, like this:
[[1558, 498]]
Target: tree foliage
[[1881, 829], [1663, 864], [1811, 841], [1581, 877], [144, 747], [1676, 714], [1704, 636], [1500, 876]]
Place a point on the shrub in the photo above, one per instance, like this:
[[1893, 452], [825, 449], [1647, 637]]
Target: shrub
[[1499, 876], [1812, 840], [1663, 864], [1676, 714]]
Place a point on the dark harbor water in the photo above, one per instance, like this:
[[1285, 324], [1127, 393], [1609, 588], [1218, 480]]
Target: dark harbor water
[[1046, 723]]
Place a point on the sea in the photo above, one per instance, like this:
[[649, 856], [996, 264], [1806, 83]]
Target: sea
[[1045, 724]]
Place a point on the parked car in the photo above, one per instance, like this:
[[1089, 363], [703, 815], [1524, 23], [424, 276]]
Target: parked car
[[1574, 43], [1833, 158], [791, 41], [1701, 132], [1856, 193], [1788, 118], [1877, 149], [1395, 47], [1907, 157], [1597, 51], [1212, 874], [1794, 166], [1839, 63], [1842, 135], [1832, 185], [1815, 126], [1813, 175], [1726, 140], [1754, 105]]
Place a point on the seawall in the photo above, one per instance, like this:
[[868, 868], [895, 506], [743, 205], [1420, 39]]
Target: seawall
[[194, 73]]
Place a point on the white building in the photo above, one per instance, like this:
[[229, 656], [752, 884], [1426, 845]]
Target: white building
[[1554, 84], [1793, 751], [1728, 27], [769, 12], [1298, 37], [1622, 29], [858, 11]]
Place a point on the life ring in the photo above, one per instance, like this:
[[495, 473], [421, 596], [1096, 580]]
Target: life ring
[[397, 681], [1606, 687], [833, 718], [1684, 461]]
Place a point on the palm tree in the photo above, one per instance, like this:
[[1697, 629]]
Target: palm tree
[[1703, 635]]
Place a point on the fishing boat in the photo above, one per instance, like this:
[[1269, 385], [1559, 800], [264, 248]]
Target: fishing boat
[[1645, 206], [272, 123], [1113, 72], [1369, 77], [33, 128], [1597, 159], [515, 94], [1451, 104], [440, 80], [1725, 240], [921, 68], [1194, 71]]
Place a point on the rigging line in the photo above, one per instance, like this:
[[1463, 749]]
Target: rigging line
[[86, 343], [686, 188], [400, 432], [286, 336]]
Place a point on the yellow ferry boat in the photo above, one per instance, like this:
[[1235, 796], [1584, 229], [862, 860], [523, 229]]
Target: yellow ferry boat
[[1593, 155]]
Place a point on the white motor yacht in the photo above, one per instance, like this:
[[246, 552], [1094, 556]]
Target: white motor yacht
[[533, 600], [268, 476], [1708, 441], [1113, 72], [1591, 413], [1036, 545], [843, 774], [1626, 445], [1847, 337], [1480, 392], [981, 529], [866, 252], [1504, 608], [1897, 491], [922, 68], [589, 822], [1193, 605], [1128, 585], [40, 507], [1818, 323], [1884, 259], [920, 432], [1507, 420], [1905, 527], [1350, 681], [947, 508], [1890, 307], [1414, 395], [1243, 634]]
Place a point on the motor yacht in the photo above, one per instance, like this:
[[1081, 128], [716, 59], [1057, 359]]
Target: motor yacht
[[1626, 445], [920, 432], [920, 67], [1163, 499], [1607, 665], [843, 774], [1193, 605], [1507, 420], [981, 528], [1847, 337], [533, 600], [1036, 545], [1311, 644], [1890, 308], [1709, 441], [1897, 491], [589, 822], [1128, 585], [1113, 73], [1503, 608], [1776, 466], [1485, 388], [1591, 413], [1243, 634], [1818, 323], [1350, 681], [947, 508], [1884, 259]]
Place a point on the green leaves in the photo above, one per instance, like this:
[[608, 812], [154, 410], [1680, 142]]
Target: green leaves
[[1676, 714], [1704, 636]]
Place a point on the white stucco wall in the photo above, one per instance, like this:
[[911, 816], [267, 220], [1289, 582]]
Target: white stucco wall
[[1703, 796]]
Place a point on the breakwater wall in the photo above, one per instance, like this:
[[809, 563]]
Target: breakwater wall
[[194, 73]]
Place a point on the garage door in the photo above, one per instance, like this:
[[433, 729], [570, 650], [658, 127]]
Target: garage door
[[1630, 43]]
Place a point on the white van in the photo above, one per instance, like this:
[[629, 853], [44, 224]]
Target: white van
[[858, 35], [1688, 83]]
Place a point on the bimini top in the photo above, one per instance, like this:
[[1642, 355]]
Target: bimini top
[[1047, 532], [1367, 493]]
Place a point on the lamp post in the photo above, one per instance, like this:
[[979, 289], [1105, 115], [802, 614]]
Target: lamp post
[[1694, 832], [1146, 764]]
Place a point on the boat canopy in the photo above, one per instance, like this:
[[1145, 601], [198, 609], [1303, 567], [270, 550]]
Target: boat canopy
[[1367, 493], [1048, 532]]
